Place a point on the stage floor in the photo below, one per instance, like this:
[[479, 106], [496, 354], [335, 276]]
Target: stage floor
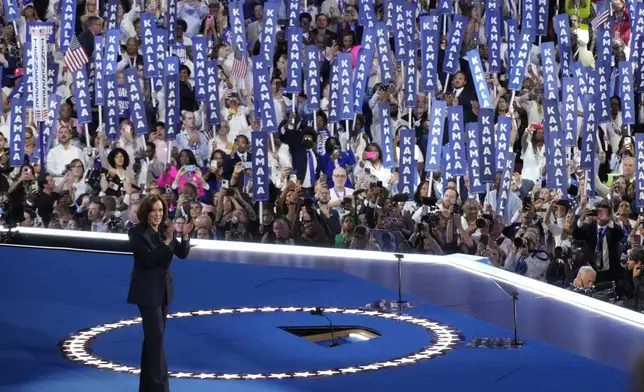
[[231, 306]]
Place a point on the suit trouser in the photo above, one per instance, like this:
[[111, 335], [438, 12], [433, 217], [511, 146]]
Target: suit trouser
[[154, 369]]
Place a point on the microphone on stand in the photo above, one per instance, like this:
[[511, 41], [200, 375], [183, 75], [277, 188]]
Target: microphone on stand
[[320, 312]]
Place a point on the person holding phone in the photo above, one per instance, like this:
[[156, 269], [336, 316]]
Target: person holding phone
[[154, 245], [22, 186], [186, 171]]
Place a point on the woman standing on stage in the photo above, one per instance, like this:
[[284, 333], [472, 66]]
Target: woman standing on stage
[[154, 245]]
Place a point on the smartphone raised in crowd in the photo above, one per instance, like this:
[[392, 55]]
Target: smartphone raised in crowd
[[191, 168]]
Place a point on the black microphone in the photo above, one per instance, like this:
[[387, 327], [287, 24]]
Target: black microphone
[[319, 312]]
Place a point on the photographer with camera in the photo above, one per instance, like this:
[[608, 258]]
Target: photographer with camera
[[492, 243], [427, 235], [310, 229], [528, 257], [604, 236], [631, 287]]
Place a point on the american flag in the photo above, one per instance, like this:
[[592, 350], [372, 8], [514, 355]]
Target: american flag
[[75, 57], [601, 19], [240, 65]]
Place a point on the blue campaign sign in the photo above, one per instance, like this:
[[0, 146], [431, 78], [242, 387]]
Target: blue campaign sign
[[626, 92], [99, 79], [171, 89], [493, 33], [556, 169], [18, 127], [604, 70], [387, 137], [237, 25], [517, 71], [294, 60], [312, 70], [639, 169], [429, 49], [261, 180], [486, 129], [503, 195], [588, 133], [503, 146], [454, 42], [264, 96], [137, 103], [474, 157], [549, 67], [111, 110], [11, 10], [529, 15], [407, 165], [81, 91], [111, 14], [334, 93], [67, 22], [47, 126], [112, 51], [542, 17], [569, 111], [200, 56], [212, 91], [345, 110], [435, 136], [480, 82], [361, 77], [366, 14], [562, 28], [269, 33], [458, 159], [148, 50], [384, 58]]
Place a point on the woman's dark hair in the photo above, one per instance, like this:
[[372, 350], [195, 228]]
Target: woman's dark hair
[[146, 206], [417, 197], [347, 33], [330, 144], [112, 156], [377, 147], [191, 158], [217, 151]]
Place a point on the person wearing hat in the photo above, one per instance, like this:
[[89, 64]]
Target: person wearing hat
[[362, 239]]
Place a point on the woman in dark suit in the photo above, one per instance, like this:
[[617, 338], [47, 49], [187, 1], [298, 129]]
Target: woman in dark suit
[[154, 245]]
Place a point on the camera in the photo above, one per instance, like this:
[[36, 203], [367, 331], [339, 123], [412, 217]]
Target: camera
[[592, 212], [457, 210], [563, 252], [484, 221], [347, 204], [429, 201], [520, 242]]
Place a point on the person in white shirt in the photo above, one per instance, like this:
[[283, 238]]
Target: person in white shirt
[[61, 155], [339, 190]]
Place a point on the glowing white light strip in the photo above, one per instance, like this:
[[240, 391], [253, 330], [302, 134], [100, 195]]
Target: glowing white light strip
[[77, 347], [557, 293], [464, 262]]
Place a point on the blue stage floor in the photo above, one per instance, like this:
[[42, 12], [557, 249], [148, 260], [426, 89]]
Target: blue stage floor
[[47, 295]]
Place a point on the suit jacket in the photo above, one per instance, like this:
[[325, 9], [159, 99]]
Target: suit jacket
[[86, 39], [151, 278], [614, 235]]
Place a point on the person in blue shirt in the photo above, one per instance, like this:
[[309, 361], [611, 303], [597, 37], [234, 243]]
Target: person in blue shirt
[[334, 157]]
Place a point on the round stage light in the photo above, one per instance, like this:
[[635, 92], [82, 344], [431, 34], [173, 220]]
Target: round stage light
[[77, 347]]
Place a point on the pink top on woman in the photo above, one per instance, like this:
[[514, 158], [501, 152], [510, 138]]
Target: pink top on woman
[[188, 177]]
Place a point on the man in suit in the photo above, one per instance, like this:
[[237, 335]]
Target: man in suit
[[154, 245], [306, 161], [93, 27], [241, 153], [463, 95], [604, 237]]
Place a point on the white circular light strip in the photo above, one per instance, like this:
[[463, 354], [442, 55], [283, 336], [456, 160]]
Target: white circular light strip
[[77, 347]]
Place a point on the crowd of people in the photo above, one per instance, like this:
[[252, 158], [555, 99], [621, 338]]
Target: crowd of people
[[328, 184]]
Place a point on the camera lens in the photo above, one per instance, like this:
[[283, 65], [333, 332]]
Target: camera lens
[[520, 242], [481, 223]]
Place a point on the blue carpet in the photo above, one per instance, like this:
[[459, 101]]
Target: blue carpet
[[47, 295]]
